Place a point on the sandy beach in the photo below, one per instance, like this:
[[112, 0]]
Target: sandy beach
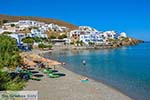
[[70, 87]]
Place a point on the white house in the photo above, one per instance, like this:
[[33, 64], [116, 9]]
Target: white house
[[44, 28], [109, 34], [2, 30], [9, 27], [30, 23], [74, 33], [55, 27], [10, 23], [87, 28], [37, 33], [64, 29], [23, 24], [86, 34], [93, 37], [17, 36], [123, 34]]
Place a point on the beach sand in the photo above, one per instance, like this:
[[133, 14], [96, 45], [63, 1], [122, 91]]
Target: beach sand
[[70, 87]]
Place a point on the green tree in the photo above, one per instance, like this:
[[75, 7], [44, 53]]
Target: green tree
[[10, 58], [42, 46], [91, 43], [28, 40], [9, 52], [37, 39], [12, 25]]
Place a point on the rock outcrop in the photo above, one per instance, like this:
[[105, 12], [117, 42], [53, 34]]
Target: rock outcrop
[[126, 42]]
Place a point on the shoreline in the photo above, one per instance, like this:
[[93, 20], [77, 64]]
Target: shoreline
[[102, 82], [93, 90], [59, 89]]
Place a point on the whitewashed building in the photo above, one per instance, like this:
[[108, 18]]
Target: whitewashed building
[[55, 27], [9, 27], [89, 34], [123, 34], [87, 29], [94, 38], [109, 34], [86, 34], [17, 36], [30, 23], [37, 33]]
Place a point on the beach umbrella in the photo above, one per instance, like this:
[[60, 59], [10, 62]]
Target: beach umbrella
[[54, 63], [29, 62], [35, 56]]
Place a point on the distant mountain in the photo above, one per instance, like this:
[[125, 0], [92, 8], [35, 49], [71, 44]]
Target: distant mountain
[[46, 20]]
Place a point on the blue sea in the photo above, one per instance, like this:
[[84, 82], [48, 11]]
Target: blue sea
[[126, 69]]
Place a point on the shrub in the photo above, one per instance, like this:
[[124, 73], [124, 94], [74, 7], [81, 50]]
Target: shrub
[[28, 40], [10, 84], [72, 43], [125, 39], [42, 46], [52, 37], [49, 46], [62, 36], [5, 21], [37, 39], [91, 43], [12, 25], [7, 33]]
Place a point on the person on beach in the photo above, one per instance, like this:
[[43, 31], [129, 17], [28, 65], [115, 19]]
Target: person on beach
[[63, 63], [84, 80]]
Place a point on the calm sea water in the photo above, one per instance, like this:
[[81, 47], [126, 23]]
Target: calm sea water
[[126, 69]]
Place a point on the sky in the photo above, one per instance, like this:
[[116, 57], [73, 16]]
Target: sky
[[130, 16]]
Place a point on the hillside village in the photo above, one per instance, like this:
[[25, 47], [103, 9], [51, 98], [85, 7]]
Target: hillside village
[[85, 34]]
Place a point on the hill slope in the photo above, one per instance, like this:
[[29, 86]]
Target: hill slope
[[46, 20]]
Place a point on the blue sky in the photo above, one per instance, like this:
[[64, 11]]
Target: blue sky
[[130, 16]]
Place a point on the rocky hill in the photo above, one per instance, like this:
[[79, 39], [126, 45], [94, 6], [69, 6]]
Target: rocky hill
[[126, 42], [9, 18]]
